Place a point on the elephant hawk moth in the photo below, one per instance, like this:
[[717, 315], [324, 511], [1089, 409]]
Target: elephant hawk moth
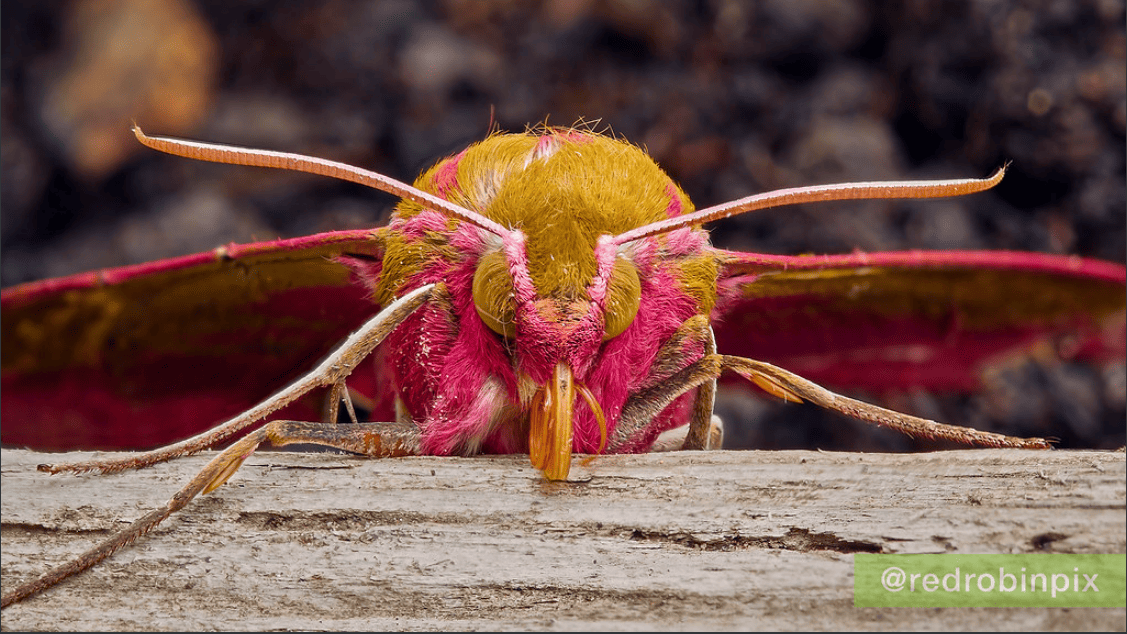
[[550, 292]]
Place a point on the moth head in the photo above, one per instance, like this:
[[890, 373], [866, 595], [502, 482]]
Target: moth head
[[555, 336]]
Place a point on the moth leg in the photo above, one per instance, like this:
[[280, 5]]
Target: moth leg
[[401, 413], [705, 431], [377, 440], [362, 405], [792, 387], [331, 372], [641, 408], [691, 339], [338, 393], [674, 439]]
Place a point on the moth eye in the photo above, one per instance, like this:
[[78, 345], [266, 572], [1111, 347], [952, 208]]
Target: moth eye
[[493, 294], [624, 295]]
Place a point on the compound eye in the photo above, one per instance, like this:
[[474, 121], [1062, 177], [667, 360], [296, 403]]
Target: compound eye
[[624, 295], [493, 294]]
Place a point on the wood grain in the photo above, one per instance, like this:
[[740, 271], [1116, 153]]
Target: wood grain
[[697, 540]]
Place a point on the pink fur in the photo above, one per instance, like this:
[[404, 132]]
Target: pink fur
[[446, 178], [464, 353], [419, 225], [674, 209], [605, 253]]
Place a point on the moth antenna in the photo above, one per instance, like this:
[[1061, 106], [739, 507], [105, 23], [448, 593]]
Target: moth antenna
[[818, 193], [219, 153]]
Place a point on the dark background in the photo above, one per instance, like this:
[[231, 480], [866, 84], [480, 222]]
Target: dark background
[[731, 98]]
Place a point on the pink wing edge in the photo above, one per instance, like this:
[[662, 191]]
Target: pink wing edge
[[882, 353]]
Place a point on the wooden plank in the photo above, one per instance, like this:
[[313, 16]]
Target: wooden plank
[[697, 540]]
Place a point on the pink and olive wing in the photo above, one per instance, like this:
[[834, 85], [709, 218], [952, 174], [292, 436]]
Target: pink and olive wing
[[141, 356], [921, 318]]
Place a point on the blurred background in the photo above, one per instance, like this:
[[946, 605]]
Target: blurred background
[[731, 98]]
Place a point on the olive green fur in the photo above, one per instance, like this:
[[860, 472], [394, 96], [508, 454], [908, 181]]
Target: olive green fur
[[578, 186]]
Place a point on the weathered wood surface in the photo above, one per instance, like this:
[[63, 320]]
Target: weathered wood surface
[[702, 540]]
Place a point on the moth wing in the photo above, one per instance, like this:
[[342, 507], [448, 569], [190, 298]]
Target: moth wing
[[140, 356], [916, 319]]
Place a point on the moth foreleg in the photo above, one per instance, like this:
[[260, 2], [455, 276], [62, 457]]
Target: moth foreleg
[[377, 440], [792, 387], [340, 393], [331, 372]]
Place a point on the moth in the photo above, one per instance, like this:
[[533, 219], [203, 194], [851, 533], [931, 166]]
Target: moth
[[550, 292]]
